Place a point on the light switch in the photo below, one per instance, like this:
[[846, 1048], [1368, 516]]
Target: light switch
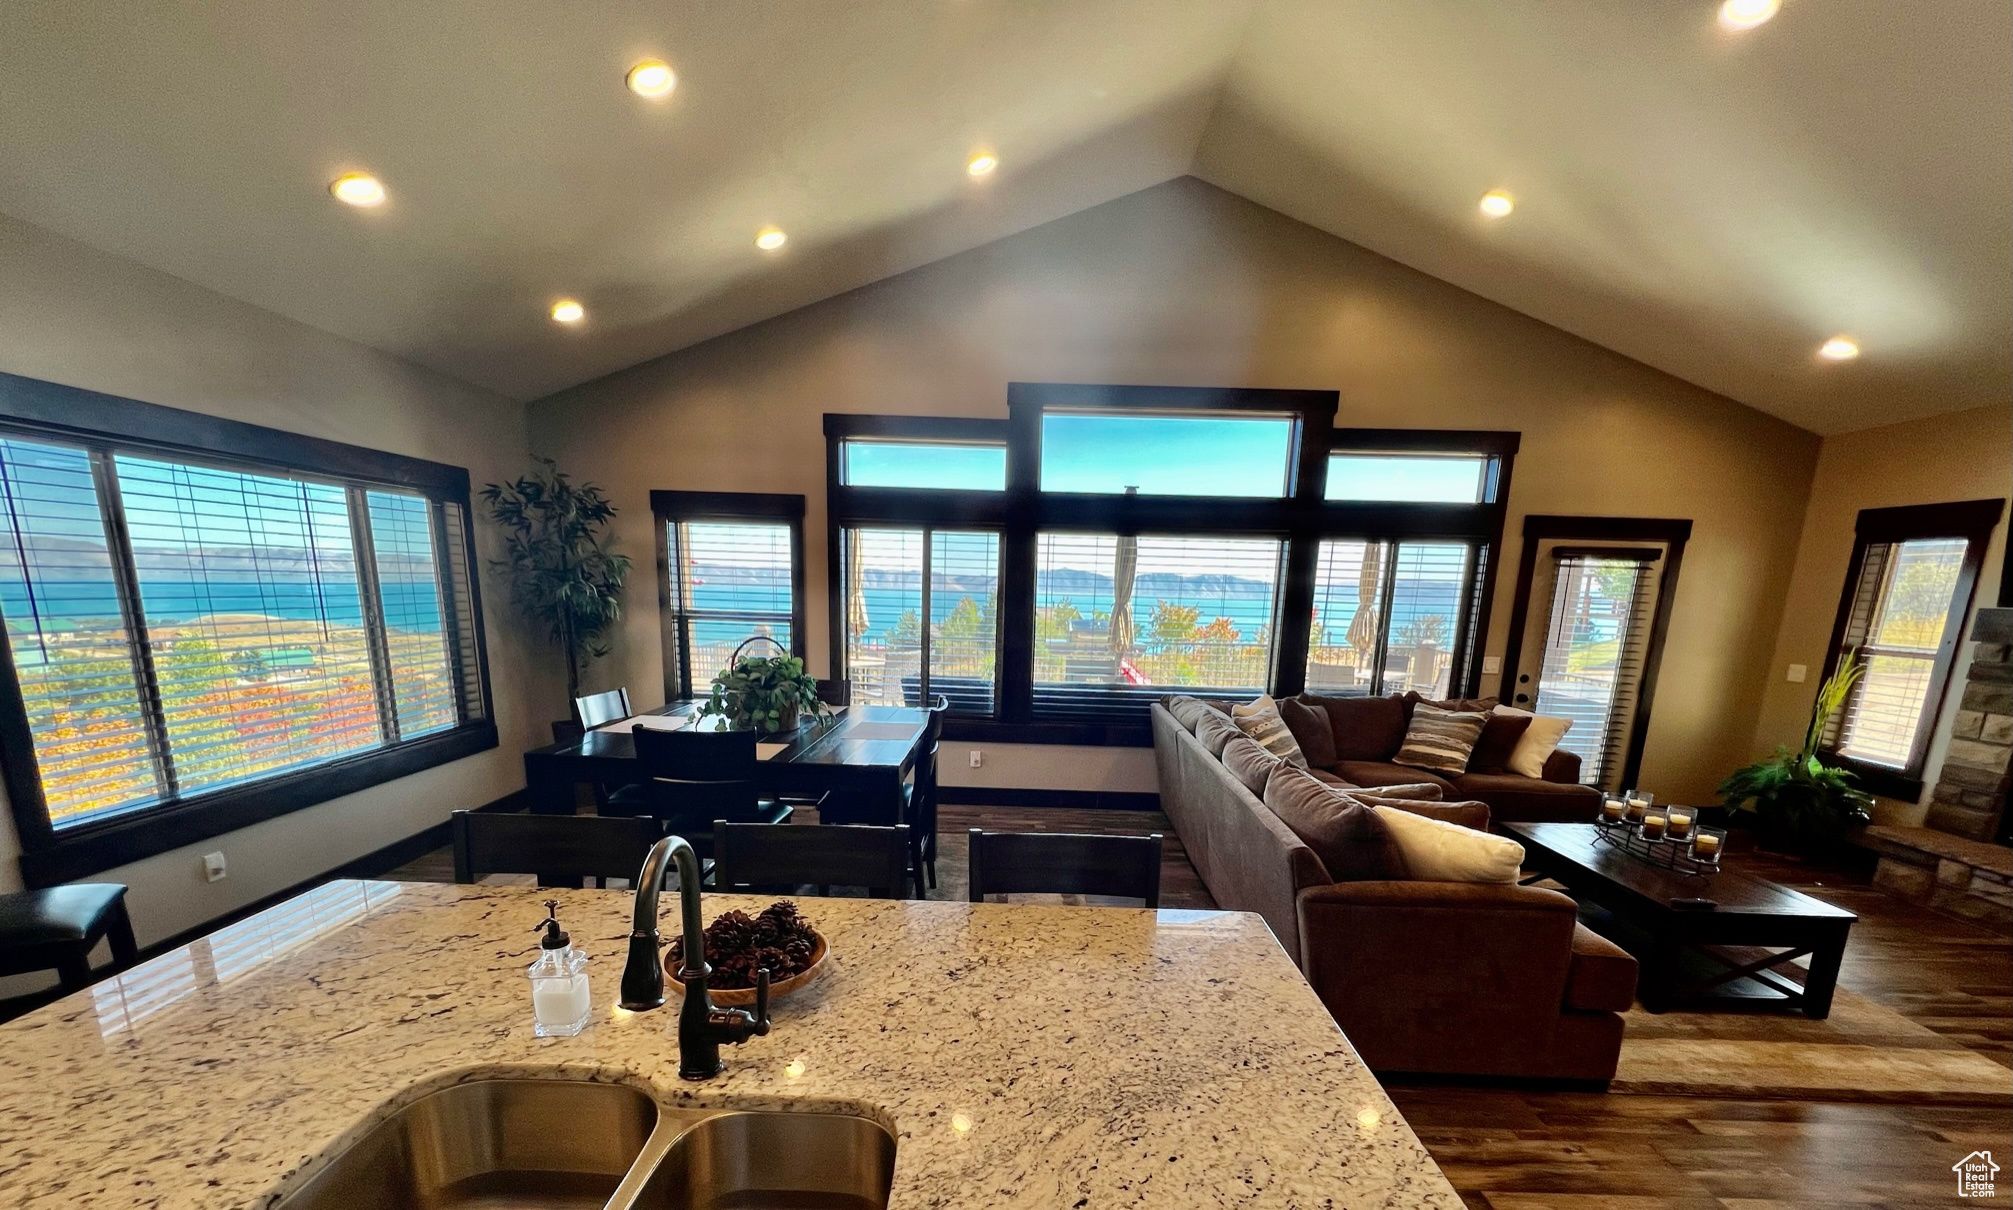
[[976, 758], [1798, 673], [1492, 665]]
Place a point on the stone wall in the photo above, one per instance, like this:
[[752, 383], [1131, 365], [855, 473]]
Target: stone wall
[[1971, 793]]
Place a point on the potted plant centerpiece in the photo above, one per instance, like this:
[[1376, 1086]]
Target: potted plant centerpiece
[[763, 692], [1800, 803]]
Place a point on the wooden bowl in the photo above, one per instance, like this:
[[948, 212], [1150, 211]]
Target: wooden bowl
[[744, 997]]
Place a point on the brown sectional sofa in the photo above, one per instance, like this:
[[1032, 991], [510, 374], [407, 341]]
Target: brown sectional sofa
[[1361, 734], [1452, 978]]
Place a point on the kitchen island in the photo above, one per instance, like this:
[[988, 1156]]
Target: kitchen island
[[1049, 1057]]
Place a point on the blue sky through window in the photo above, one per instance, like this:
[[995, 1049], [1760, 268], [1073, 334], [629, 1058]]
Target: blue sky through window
[[917, 464], [1405, 478], [1165, 455]]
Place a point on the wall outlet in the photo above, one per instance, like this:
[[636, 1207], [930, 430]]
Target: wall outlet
[[1798, 673], [213, 867], [1492, 665], [978, 758]]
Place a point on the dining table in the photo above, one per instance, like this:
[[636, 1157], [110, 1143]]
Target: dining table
[[854, 757]]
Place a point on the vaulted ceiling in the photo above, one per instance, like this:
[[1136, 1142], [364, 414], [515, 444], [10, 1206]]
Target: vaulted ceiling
[[1713, 204]]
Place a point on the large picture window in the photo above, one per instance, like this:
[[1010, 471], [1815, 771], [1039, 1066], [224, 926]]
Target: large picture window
[[1129, 542], [1120, 621], [191, 635], [730, 568], [1906, 597], [1386, 615], [922, 616]]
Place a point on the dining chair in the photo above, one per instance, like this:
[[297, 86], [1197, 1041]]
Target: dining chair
[[55, 929], [597, 709], [693, 777], [920, 799], [561, 849], [838, 692], [1064, 863], [782, 857]]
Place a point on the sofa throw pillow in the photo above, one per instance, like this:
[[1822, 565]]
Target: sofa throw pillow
[[1188, 711], [1249, 763], [1364, 728], [1468, 814], [1537, 743], [1439, 741], [1260, 720], [1499, 739], [1214, 730], [1466, 705], [1437, 851], [1311, 730], [1349, 838], [1411, 791]]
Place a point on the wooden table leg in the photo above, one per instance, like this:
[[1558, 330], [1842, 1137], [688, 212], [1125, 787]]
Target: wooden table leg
[[119, 931], [1658, 978], [1822, 978], [549, 787]]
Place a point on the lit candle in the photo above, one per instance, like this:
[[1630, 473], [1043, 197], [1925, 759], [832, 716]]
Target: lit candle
[[1680, 823], [1636, 808], [1705, 846], [1653, 827], [1612, 808]]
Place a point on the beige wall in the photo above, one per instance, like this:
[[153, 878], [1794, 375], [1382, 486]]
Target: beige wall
[[1183, 284], [1959, 456], [74, 315]]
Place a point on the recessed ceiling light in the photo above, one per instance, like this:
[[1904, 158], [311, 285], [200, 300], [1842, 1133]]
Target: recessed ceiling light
[[1496, 203], [567, 311], [1839, 348], [1746, 14], [982, 163], [768, 239], [358, 189], [652, 78]]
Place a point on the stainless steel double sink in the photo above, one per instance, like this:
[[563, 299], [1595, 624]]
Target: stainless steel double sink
[[573, 1144]]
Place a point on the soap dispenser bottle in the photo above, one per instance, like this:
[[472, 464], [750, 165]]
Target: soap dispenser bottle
[[560, 1004]]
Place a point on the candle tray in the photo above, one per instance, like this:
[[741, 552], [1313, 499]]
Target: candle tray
[[1672, 855]]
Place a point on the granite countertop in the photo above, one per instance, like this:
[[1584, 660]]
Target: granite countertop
[[1100, 1057]]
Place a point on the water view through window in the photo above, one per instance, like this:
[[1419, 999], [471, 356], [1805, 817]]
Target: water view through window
[[261, 651]]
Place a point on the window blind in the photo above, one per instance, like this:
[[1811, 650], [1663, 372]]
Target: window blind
[[1900, 608], [1386, 616], [733, 583], [178, 628], [896, 578], [69, 636], [1120, 621], [416, 631], [1596, 652]]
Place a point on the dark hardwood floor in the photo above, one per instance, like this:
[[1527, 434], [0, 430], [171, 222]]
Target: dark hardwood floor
[[1525, 1148]]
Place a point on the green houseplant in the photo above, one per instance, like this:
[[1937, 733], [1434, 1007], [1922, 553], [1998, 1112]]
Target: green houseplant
[[763, 692], [1798, 801], [562, 574]]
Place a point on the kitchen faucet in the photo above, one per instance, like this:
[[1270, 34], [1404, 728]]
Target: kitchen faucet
[[701, 1027]]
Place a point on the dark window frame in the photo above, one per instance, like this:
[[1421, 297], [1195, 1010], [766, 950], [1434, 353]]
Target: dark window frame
[[670, 507], [1301, 519], [35, 409], [1542, 527], [1971, 520]]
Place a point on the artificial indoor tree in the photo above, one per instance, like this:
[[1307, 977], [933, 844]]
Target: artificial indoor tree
[[562, 573]]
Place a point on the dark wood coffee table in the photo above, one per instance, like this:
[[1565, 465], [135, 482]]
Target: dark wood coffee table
[[1753, 934]]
